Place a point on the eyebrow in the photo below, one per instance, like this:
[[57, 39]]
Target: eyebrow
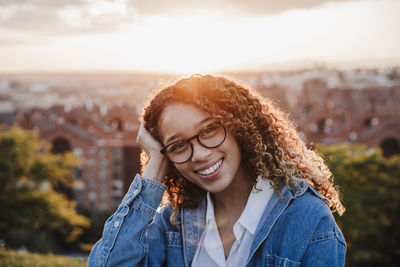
[[196, 125]]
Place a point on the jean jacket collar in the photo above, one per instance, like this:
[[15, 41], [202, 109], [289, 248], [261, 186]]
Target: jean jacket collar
[[193, 221]]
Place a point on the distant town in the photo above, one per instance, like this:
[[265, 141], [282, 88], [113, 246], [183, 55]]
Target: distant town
[[95, 115]]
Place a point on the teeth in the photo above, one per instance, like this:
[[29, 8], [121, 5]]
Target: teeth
[[211, 169]]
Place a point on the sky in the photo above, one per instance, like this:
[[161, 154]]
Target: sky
[[188, 36]]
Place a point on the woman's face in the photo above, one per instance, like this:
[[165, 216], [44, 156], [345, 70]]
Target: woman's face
[[213, 169]]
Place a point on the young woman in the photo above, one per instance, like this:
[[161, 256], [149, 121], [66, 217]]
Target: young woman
[[240, 187]]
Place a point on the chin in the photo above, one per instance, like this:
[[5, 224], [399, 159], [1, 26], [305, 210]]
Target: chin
[[216, 188]]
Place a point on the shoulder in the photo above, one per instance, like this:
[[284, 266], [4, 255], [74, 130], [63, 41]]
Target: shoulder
[[304, 200], [308, 203], [309, 211]]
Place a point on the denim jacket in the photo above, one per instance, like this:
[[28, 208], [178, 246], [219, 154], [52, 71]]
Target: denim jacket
[[296, 229]]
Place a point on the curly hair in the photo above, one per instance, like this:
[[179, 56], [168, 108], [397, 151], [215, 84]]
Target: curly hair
[[270, 145]]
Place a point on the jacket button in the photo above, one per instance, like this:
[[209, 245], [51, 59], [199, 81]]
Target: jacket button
[[116, 224]]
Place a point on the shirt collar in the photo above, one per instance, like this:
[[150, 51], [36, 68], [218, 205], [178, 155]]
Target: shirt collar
[[256, 204], [210, 218], [251, 215]]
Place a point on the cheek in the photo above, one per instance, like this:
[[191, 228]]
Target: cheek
[[182, 169], [187, 173], [232, 144]]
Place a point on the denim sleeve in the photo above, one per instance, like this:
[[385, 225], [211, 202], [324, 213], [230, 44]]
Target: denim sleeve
[[124, 241], [326, 249]]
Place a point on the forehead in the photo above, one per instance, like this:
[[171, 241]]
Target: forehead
[[180, 120]]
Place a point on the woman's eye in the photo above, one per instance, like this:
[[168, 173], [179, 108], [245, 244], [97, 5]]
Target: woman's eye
[[210, 130], [176, 148]]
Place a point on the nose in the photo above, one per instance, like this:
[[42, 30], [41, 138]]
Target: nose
[[200, 153]]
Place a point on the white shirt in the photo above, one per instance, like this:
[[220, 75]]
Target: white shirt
[[210, 251]]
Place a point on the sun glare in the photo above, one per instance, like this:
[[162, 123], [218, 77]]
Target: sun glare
[[209, 41], [196, 43]]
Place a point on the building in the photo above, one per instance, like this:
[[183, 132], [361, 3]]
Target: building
[[104, 136], [369, 116]]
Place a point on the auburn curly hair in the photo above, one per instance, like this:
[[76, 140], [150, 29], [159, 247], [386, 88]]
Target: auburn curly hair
[[270, 145]]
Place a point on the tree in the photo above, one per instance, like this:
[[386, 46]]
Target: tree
[[32, 213], [370, 185]]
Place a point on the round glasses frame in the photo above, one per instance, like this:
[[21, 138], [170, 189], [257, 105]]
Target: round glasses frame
[[188, 140]]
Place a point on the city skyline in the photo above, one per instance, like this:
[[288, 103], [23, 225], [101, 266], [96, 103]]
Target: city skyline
[[189, 36]]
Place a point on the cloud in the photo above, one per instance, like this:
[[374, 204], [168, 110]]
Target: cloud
[[63, 17], [74, 17], [19, 41], [44, 3], [244, 7]]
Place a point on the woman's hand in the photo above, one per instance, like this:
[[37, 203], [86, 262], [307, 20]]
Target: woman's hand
[[157, 166], [146, 141]]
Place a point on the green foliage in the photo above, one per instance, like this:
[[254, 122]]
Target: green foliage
[[32, 213], [370, 185], [11, 258]]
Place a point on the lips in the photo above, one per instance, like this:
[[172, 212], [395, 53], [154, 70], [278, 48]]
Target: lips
[[209, 170]]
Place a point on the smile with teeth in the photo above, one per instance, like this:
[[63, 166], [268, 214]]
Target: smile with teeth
[[211, 169]]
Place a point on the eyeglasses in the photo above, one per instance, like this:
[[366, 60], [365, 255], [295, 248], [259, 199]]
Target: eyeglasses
[[212, 136]]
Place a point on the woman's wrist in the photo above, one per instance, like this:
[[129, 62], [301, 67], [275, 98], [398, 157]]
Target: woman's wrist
[[156, 168]]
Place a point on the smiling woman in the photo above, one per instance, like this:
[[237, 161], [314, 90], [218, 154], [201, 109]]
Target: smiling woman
[[240, 188]]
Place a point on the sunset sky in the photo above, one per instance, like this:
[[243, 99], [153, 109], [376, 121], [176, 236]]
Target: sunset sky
[[196, 36]]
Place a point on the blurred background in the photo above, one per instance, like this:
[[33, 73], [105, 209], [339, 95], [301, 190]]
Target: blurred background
[[74, 75]]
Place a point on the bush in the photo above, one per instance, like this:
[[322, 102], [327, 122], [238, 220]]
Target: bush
[[32, 212], [13, 258], [370, 185]]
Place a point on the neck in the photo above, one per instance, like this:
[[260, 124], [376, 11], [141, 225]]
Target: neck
[[234, 198]]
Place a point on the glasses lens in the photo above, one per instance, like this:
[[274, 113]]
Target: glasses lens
[[212, 136], [179, 152]]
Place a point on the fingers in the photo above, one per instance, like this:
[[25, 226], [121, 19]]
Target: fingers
[[146, 141], [157, 166], [141, 128]]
